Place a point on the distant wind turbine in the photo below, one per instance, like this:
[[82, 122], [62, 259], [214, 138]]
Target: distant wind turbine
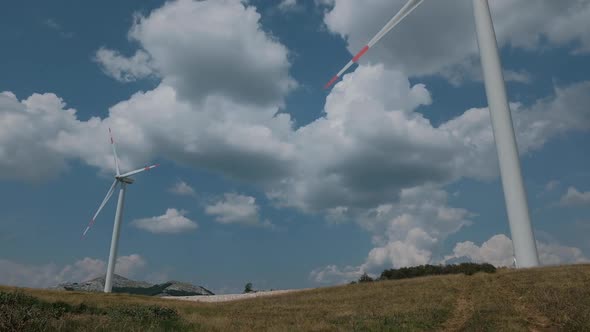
[[123, 180], [523, 240]]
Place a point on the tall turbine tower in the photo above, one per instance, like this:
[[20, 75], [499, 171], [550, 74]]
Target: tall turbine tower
[[523, 240], [123, 180]]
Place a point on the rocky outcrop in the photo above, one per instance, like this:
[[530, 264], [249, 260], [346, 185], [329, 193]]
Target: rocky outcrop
[[124, 285], [177, 288]]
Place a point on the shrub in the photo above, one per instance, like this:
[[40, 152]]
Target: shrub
[[143, 313], [248, 288], [20, 312], [428, 270], [365, 278]]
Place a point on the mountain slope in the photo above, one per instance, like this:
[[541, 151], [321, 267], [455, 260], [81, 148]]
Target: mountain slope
[[124, 285]]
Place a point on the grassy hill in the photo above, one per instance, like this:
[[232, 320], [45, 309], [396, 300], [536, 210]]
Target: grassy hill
[[543, 299]]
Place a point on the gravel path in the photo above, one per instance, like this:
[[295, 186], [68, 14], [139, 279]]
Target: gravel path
[[233, 297]]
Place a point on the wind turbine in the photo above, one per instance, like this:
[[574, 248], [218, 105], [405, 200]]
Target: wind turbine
[[523, 240], [123, 180]]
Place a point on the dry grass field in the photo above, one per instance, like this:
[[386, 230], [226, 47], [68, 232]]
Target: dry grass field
[[543, 299]]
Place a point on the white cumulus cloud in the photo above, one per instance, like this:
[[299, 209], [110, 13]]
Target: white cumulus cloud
[[183, 189], [122, 68], [235, 209], [171, 222], [405, 233], [49, 275], [498, 251], [289, 5], [361, 159], [438, 37], [200, 54], [573, 197]]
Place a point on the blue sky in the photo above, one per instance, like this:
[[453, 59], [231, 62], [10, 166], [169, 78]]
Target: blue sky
[[264, 176]]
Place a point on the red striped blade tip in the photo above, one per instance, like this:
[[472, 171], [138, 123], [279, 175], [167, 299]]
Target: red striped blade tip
[[360, 53], [334, 79]]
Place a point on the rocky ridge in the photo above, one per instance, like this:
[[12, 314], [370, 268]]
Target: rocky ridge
[[124, 285]]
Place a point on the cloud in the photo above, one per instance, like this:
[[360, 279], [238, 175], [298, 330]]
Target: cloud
[[218, 135], [405, 233], [372, 143], [52, 24], [49, 275], [333, 274], [573, 197], [26, 130], [171, 222], [288, 5], [545, 23], [324, 3], [129, 265], [551, 185], [183, 189], [235, 209], [400, 149], [362, 159], [369, 144], [203, 117], [235, 55], [157, 277], [518, 76], [498, 251], [122, 68], [470, 70]]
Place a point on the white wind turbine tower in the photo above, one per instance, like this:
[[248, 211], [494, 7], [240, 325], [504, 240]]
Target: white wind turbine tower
[[523, 240], [123, 180]]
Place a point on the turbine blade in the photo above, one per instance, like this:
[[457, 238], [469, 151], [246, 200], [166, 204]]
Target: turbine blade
[[104, 202], [139, 170], [114, 152], [395, 20], [405, 11]]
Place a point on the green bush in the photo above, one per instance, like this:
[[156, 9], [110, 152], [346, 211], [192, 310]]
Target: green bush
[[248, 288], [428, 270], [143, 313], [365, 278], [21, 312]]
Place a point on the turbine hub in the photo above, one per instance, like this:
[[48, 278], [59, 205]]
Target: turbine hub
[[124, 179]]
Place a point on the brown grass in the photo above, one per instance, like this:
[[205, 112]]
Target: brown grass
[[543, 299]]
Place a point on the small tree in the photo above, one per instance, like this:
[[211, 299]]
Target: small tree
[[365, 278], [248, 288]]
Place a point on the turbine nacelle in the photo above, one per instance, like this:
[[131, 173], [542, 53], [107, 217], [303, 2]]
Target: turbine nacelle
[[126, 180]]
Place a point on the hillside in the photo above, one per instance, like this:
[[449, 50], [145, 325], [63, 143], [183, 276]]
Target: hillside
[[124, 285], [547, 299]]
